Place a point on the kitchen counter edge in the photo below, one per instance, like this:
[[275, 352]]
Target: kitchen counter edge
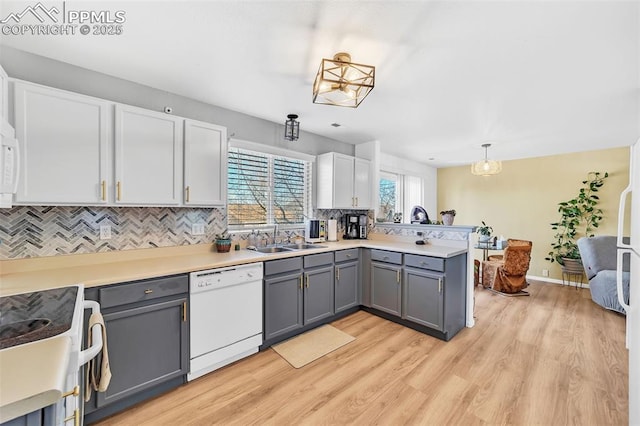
[[113, 272]]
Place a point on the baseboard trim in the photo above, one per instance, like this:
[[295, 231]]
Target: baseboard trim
[[557, 281]]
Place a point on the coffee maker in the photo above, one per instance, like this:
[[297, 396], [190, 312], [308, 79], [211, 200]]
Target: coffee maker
[[355, 227]]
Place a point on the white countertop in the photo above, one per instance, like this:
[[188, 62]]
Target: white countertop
[[28, 275]]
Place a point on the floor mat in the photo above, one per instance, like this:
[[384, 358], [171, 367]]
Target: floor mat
[[307, 347]]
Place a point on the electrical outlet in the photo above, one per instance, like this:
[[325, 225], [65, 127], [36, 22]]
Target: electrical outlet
[[545, 272], [105, 232], [197, 229]]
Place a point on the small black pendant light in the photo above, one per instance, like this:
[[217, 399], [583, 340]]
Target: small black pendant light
[[291, 128]]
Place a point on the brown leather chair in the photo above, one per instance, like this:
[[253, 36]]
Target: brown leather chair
[[508, 275]]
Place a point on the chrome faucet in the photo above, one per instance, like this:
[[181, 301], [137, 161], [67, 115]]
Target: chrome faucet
[[275, 234]]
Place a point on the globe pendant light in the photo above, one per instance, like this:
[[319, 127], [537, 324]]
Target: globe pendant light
[[486, 167]]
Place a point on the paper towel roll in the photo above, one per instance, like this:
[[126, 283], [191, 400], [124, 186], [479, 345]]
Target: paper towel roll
[[332, 232]]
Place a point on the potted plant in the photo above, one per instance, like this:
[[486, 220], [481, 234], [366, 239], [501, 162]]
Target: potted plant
[[447, 216], [223, 242], [579, 217], [484, 233]]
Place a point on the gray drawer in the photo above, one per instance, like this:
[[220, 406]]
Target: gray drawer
[[143, 290], [321, 259], [386, 256], [349, 254], [274, 267], [424, 262]]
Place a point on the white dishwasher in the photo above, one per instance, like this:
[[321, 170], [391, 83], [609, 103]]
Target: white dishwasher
[[226, 316]]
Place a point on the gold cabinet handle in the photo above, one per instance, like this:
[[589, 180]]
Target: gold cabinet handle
[[301, 282], [184, 311], [118, 190], [103, 187], [337, 274], [74, 392], [148, 291], [307, 280], [188, 191], [439, 285], [398, 276], [75, 417]]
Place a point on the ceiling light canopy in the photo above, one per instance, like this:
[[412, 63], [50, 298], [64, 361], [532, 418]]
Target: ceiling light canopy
[[341, 82], [292, 128], [486, 167]]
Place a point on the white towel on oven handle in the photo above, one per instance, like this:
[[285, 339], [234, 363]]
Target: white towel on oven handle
[[97, 382]]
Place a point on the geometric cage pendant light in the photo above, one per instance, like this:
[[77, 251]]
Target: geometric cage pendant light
[[341, 82], [486, 167], [292, 128]]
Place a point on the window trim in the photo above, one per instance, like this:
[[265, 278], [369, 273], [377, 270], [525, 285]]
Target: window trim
[[272, 151]]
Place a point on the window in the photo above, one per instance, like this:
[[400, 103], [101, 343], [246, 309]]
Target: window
[[398, 193], [265, 189], [389, 196]]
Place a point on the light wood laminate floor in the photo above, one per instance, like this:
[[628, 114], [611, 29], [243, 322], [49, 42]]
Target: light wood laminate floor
[[554, 358]]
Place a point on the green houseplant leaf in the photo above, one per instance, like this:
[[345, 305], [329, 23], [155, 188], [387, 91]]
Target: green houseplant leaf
[[578, 217]]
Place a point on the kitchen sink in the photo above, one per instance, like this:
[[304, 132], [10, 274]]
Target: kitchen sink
[[303, 246], [277, 249], [286, 247]]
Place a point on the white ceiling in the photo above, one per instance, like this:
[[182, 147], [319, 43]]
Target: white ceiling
[[533, 78]]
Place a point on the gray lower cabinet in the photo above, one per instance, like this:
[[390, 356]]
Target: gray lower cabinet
[[386, 287], [318, 294], [145, 347], [422, 298], [148, 341], [298, 291], [424, 292], [283, 304], [346, 279], [386, 281]]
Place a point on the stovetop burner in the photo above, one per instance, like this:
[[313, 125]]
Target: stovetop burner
[[35, 316]]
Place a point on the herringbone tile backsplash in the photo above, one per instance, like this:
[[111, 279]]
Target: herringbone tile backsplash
[[38, 231]]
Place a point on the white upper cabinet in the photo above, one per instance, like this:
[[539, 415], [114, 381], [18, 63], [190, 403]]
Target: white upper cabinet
[[362, 183], [148, 157], [63, 139], [343, 182], [205, 164]]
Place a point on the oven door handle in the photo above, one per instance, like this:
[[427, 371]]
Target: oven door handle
[[96, 332]]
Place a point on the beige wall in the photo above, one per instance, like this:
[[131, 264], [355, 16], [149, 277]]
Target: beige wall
[[521, 202]]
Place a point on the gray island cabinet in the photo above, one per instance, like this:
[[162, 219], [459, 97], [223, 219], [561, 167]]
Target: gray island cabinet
[[423, 292], [148, 328]]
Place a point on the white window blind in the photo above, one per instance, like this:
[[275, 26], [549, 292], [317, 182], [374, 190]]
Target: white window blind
[[264, 189], [399, 193]]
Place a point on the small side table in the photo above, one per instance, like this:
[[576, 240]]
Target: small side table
[[485, 250], [578, 277], [485, 256]]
